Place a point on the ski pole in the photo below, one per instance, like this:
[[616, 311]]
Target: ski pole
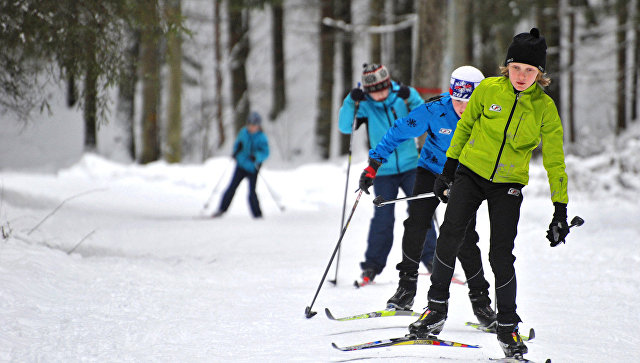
[[280, 206], [346, 185], [575, 222], [379, 201], [215, 189], [308, 313]]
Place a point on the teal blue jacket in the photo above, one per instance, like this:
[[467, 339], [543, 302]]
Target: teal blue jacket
[[248, 145], [379, 117]]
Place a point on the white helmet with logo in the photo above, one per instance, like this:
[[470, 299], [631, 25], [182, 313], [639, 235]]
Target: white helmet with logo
[[464, 80]]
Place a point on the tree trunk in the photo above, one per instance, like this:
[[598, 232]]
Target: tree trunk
[[636, 64], [174, 102], [571, 58], [72, 92], [325, 94], [127, 91], [344, 13], [402, 66], [458, 35], [217, 45], [431, 20], [621, 54], [279, 83], [90, 99], [550, 28], [496, 33], [239, 45], [150, 70], [376, 17]]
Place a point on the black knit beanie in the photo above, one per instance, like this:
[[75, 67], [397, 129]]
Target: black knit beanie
[[528, 48]]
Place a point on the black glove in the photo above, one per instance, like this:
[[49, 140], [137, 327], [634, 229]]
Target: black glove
[[558, 228], [238, 149], [404, 92], [369, 173], [444, 181], [357, 94]]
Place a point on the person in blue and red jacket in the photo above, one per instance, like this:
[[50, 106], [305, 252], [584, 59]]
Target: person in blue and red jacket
[[438, 118], [378, 105], [250, 150]]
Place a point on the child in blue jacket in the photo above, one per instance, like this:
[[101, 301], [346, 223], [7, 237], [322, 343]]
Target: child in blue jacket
[[378, 105], [250, 150]]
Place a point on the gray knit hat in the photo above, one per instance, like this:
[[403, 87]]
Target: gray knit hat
[[375, 77]]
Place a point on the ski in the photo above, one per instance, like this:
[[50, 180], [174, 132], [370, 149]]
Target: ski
[[532, 333], [406, 340], [515, 360], [373, 314], [359, 284]]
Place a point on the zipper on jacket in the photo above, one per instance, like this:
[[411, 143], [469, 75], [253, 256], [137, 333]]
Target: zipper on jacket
[[386, 113], [504, 137]]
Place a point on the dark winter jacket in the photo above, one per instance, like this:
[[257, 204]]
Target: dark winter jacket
[[248, 145], [499, 130], [379, 117], [437, 118]]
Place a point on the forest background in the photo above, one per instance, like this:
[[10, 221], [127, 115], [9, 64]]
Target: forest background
[[141, 81]]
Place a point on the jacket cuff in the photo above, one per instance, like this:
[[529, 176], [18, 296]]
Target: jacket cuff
[[560, 212], [450, 167]]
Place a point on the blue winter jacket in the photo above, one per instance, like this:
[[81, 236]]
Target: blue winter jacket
[[437, 118], [248, 144], [379, 117]]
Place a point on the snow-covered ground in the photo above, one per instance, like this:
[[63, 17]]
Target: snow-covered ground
[[111, 262]]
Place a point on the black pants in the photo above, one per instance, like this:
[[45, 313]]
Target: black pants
[[504, 200], [238, 175], [417, 225]]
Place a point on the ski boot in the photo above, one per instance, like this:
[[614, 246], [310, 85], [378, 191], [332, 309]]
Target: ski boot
[[367, 276], [510, 340], [431, 321], [403, 298], [481, 306]]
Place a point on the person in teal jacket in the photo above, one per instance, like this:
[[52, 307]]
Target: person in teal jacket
[[378, 105], [250, 150], [488, 159]]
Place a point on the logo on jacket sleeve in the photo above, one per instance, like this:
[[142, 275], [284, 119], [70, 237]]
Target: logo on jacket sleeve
[[495, 108], [445, 131], [411, 122]]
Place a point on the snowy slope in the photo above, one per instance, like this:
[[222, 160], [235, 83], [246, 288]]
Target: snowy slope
[[151, 281]]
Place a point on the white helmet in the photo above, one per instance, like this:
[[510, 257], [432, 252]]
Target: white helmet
[[463, 81]]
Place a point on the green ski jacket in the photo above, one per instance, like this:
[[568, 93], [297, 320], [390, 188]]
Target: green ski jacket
[[499, 130]]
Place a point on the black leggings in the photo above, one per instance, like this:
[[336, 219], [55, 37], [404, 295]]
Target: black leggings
[[503, 200], [417, 225]]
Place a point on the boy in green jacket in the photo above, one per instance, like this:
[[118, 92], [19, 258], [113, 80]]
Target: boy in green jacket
[[488, 159]]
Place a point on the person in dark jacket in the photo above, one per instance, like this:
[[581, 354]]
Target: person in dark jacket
[[250, 150], [378, 105], [437, 118], [488, 159]]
